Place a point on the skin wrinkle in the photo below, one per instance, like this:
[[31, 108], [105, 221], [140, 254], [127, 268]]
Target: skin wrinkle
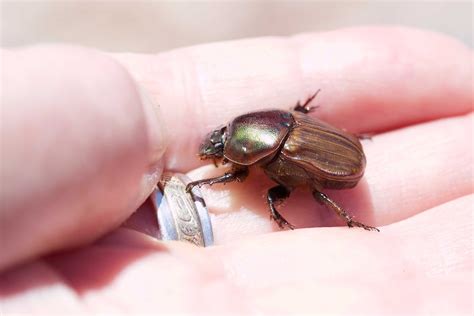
[[191, 81], [199, 80], [225, 280], [294, 47], [62, 278], [188, 80], [49, 280]]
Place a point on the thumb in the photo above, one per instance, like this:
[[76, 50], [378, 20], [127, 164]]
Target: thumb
[[81, 149]]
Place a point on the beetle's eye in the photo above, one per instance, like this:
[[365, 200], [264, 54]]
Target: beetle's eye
[[215, 138]]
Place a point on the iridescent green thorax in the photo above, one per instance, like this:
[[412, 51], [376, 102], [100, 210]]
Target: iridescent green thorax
[[254, 136]]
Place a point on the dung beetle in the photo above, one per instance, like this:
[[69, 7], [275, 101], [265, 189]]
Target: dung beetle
[[294, 150]]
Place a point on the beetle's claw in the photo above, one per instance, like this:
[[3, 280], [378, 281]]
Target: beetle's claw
[[282, 223], [189, 187], [366, 227], [286, 224], [290, 226], [370, 228]]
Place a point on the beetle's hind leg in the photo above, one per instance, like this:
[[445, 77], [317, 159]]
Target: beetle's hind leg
[[276, 195], [305, 108], [325, 200]]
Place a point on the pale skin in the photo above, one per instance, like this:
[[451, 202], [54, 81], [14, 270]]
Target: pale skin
[[81, 150]]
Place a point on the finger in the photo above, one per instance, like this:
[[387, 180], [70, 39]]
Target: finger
[[417, 168], [372, 79], [426, 259], [80, 149], [409, 171]]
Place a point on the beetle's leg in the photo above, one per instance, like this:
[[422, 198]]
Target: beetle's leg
[[305, 108], [237, 174], [275, 196], [325, 200]]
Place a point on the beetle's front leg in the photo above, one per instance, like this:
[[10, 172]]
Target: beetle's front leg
[[325, 200], [305, 108], [236, 174], [277, 195]]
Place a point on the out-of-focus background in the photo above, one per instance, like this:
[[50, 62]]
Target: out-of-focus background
[[153, 26]]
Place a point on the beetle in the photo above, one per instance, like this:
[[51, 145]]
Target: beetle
[[294, 150]]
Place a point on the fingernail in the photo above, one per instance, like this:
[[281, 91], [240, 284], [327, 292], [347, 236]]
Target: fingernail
[[157, 143], [155, 126], [149, 181]]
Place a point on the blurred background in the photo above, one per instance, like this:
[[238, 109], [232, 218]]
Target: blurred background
[[153, 26]]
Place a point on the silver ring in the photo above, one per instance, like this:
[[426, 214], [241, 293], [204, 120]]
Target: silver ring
[[181, 215]]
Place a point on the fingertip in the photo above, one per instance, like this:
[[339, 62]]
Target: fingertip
[[78, 140]]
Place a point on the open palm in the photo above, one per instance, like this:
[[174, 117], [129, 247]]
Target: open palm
[[411, 89]]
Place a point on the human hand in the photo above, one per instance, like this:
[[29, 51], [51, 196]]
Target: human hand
[[80, 151]]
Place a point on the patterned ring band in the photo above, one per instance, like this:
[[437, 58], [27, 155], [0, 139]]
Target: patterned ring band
[[181, 215]]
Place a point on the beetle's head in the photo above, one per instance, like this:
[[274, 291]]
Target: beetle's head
[[213, 145]]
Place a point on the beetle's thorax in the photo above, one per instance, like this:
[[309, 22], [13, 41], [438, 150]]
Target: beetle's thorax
[[257, 136]]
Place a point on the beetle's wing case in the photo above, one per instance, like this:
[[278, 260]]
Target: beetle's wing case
[[255, 136], [331, 157]]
